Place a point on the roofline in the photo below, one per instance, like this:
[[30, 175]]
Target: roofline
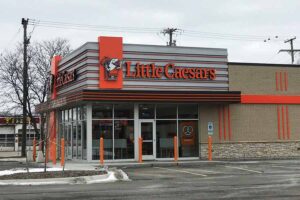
[[264, 64]]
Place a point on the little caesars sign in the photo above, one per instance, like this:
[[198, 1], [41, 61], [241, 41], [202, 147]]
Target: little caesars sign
[[170, 71]]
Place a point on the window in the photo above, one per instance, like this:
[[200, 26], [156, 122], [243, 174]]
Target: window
[[165, 132], [124, 139], [102, 128], [146, 111], [113, 122], [102, 111], [188, 111], [166, 111], [123, 111]]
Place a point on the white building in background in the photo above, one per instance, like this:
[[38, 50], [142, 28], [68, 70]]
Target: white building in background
[[11, 133]]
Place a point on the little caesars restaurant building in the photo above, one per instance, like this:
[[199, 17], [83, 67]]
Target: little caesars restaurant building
[[125, 91]]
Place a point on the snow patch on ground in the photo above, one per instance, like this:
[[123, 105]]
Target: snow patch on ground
[[23, 170]]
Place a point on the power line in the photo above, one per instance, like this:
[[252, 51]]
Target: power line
[[147, 30]]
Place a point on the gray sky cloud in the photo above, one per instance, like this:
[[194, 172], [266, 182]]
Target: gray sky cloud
[[240, 17]]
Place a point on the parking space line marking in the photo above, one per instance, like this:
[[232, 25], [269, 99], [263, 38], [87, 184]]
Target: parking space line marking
[[249, 170], [286, 167], [182, 171]]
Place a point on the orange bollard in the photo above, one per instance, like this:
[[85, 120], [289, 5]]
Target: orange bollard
[[140, 150], [34, 149], [62, 152], [53, 148], [209, 148], [175, 149], [101, 151]]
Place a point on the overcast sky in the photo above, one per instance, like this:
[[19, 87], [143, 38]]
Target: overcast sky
[[229, 20]]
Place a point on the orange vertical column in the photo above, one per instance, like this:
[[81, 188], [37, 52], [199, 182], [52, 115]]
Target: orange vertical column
[[276, 79], [53, 149], [175, 149], [140, 150], [280, 78], [101, 151]]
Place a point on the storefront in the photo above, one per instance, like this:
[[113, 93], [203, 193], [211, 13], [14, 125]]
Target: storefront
[[11, 133], [122, 92]]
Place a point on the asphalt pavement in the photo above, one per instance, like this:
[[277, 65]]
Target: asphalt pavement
[[226, 180]]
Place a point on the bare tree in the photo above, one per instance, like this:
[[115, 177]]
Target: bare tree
[[39, 63]]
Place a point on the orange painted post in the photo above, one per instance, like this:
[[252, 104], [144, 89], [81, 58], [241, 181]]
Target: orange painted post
[[175, 149], [62, 152], [209, 148], [140, 150], [101, 151], [53, 151], [34, 149]]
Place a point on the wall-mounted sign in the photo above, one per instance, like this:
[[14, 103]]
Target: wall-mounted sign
[[210, 128], [170, 71], [187, 133], [16, 120], [112, 67], [65, 77]]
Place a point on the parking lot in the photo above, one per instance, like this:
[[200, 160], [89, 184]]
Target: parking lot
[[224, 180], [231, 180]]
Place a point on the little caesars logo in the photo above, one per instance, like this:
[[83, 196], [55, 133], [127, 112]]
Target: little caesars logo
[[112, 67]]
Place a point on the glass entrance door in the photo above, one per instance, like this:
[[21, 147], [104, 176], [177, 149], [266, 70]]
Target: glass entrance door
[[147, 133]]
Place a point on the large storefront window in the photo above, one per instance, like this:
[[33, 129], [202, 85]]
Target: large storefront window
[[113, 122], [165, 132], [72, 127], [124, 139], [104, 129], [185, 127]]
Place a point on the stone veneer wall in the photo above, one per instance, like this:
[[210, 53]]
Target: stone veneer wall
[[252, 150]]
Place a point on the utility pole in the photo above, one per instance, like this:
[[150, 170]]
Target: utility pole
[[170, 32], [292, 50], [25, 85]]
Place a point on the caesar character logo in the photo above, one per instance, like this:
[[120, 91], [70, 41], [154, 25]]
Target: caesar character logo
[[188, 130], [111, 67]]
